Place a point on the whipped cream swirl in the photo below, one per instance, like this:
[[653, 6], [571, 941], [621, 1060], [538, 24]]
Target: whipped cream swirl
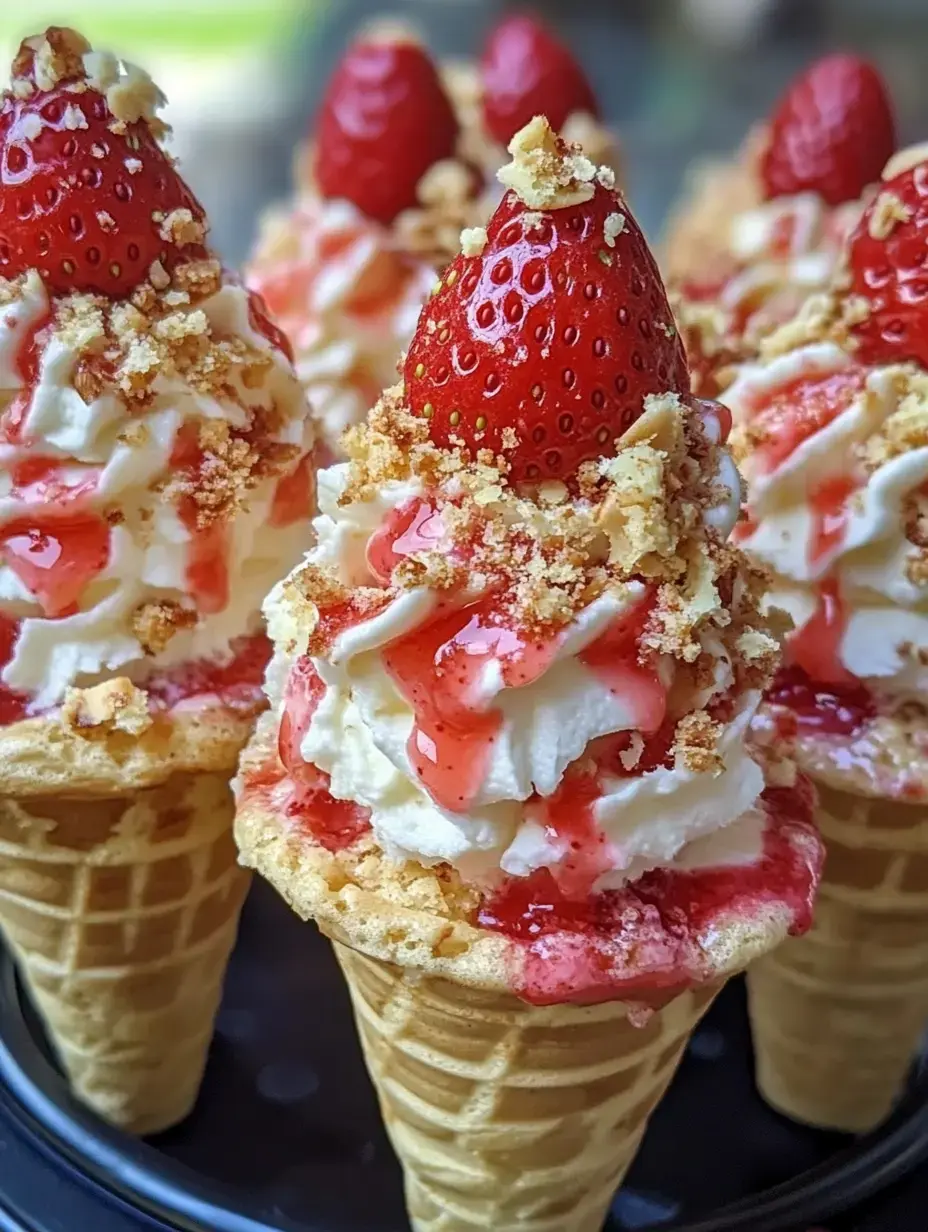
[[144, 456], [348, 295], [524, 751], [836, 460]]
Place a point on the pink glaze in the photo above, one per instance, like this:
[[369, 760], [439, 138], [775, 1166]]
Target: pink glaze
[[28, 361], [644, 943], [816, 646]]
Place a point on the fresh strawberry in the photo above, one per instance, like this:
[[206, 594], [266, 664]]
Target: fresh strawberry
[[890, 271], [525, 71], [385, 120], [832, 132], [552, 332], [84, 204]]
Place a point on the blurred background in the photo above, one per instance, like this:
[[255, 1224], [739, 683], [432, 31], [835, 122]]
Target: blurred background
[[679, 78]]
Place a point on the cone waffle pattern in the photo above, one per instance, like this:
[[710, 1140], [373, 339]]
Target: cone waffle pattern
[[838, 1014], [505, 1115], [121, 912]]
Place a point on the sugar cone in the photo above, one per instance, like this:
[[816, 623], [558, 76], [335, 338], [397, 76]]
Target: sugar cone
[[121, 911], [505, 1115], [839, 1013]]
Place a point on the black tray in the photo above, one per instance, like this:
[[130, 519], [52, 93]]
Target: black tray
[[286, 1135]]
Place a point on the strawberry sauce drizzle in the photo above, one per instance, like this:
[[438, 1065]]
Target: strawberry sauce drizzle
[[236, 682], [334, 824], [56, 557], [644, 942], [615, 659], [415, 526], [438, 669], [28, 363], [798, 409], [829, 505]]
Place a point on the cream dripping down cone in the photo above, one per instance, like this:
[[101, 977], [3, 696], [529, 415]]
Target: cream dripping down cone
[[155, 481]]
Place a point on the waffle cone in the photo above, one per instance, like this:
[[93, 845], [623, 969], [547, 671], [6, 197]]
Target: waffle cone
[[121, 911], [506, 1115], [839, 1013]]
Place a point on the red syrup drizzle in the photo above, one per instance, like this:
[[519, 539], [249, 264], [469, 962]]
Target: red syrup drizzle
[[56, 556], [568, 815], [333, 824], [207, 572], [28, 362], [829, 505], [799, 409], [438, 669], [294, 496], [415, 526], [644, 942]]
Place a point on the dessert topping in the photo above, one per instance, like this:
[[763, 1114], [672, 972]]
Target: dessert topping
[[525, 71], [543, 345], [385, 121], [70, 207], [831, 133]]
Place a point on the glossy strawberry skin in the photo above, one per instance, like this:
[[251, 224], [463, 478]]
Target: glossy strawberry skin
[[891, 272], [78, 202], [525, 71], [832, 133], [385, 120], [551, 332]]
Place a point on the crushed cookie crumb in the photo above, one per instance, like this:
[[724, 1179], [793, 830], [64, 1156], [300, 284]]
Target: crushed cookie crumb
[[546, 173], [156, 624], [114, 706], [888, 210]]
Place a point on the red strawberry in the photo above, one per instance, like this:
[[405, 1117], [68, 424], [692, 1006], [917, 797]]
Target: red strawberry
[[385, 121], [890, 271], [525, 71], [84, 204], [832, 133], [550, 332]]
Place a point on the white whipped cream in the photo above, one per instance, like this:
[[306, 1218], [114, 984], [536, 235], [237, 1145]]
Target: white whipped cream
[[886, 611], [348, 298], [359, 733], [124, 458]]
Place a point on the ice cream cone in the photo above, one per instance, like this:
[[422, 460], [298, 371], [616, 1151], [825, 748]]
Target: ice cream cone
[[506, 1115], [121, 911], [838, 1014]]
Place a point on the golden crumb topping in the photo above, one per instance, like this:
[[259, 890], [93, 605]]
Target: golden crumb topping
[[61, 56], [115, 705], [638, 523], [447, 204], [545, 173]]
